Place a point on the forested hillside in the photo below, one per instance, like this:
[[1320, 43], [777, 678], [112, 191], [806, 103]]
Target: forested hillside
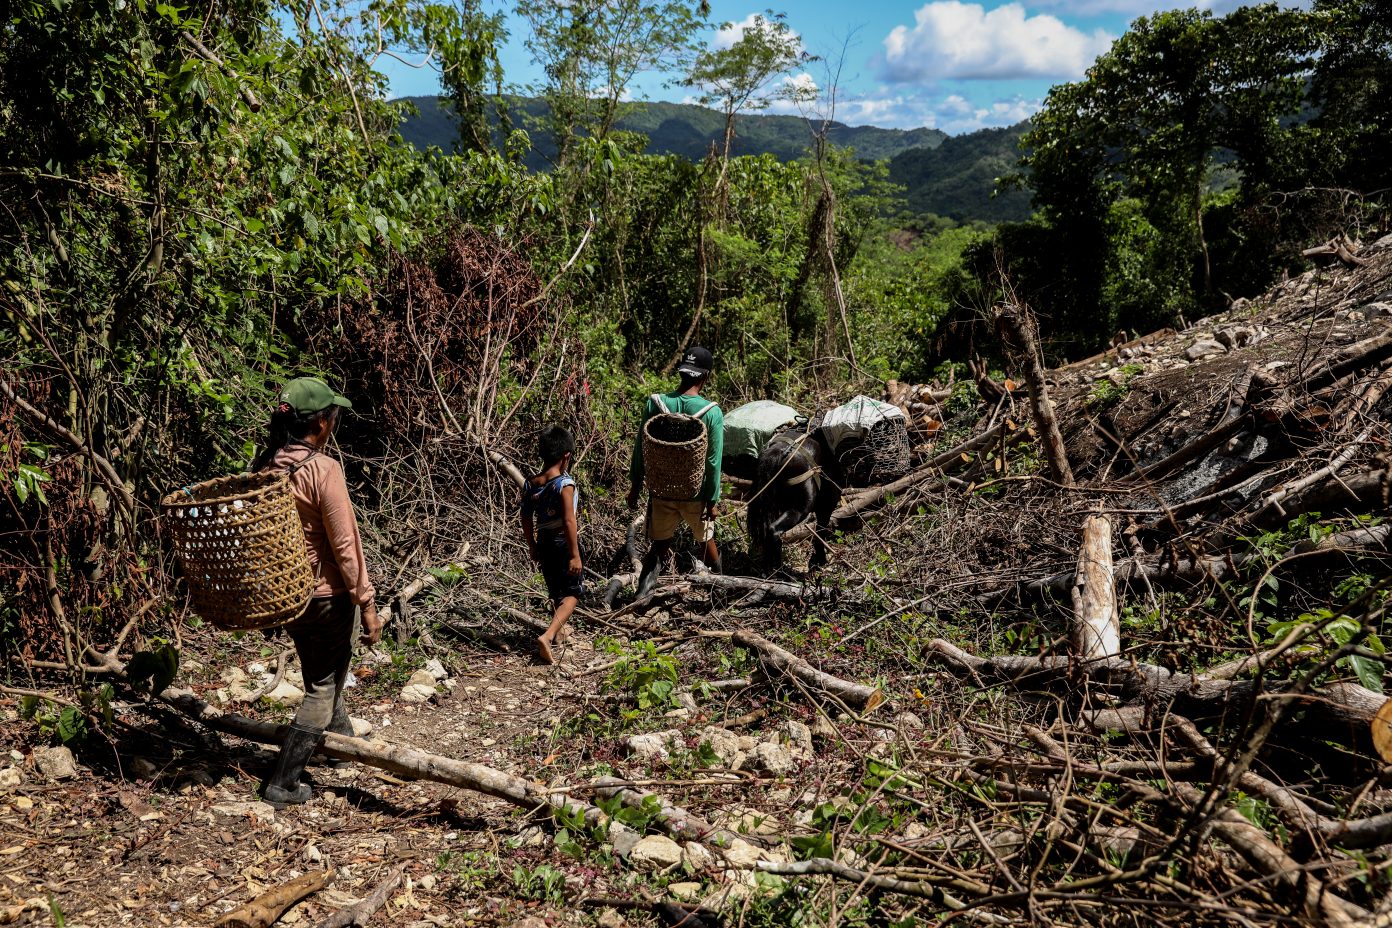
[[684, 129], [951, 176], [1058, 596]]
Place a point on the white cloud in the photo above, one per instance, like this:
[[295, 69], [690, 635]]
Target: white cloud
[[731, 33], [952, 39], [952, 113]]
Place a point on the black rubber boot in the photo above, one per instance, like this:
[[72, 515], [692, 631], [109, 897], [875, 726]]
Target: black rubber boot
[[647, 581], [284, 787]]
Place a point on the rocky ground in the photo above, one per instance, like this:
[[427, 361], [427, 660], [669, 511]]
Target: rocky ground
[[167, 828]]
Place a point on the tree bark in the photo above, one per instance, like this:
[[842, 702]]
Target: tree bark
[[418, 764], [1020, 332], [268, 907], [358, 915]]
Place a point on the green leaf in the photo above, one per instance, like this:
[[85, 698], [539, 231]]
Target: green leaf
[[72, 725], [1368, 671], [152, 671]]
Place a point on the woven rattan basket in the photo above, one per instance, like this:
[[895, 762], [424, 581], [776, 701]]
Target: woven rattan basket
[[880, 457], [888, 442], [242, 548], [674, 456]]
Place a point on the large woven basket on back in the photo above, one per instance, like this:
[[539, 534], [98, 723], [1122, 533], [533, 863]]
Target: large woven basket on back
[[674, 455], [242, 548]]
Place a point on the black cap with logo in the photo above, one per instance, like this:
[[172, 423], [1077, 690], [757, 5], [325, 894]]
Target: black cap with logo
[[697, 362]]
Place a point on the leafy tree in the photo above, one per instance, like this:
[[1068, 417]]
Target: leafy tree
[[464, 40], [591, 50], [742, 78], [1177, 95]]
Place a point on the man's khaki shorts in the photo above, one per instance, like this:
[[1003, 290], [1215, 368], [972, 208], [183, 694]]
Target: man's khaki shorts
[[664, 515]]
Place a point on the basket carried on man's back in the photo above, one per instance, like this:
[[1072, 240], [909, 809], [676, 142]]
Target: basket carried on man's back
[[241, 544], [674, 452]]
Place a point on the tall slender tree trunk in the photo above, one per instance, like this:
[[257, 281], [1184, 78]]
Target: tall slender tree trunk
[[1203, 242]]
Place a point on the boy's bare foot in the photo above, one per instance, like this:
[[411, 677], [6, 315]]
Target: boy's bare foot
[[544, 650]]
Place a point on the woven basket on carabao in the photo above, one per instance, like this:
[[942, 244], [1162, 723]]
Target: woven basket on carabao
[[242, 548], [888, 442], [674, 455]]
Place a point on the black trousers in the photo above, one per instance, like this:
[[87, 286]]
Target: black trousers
[[323, 638]]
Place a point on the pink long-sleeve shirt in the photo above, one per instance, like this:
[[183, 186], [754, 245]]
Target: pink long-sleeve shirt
[[330, 526]]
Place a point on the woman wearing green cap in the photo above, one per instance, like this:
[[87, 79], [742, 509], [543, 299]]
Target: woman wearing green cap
[[300, 428]]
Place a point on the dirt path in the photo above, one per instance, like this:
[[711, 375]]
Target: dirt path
[[184, 837]]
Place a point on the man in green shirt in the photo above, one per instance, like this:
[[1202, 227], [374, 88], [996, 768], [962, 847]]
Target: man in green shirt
[[665, 515]]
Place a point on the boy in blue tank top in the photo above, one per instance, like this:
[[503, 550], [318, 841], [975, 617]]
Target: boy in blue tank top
[[550, 523]]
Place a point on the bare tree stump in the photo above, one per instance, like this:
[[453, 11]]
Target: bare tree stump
[[1096, 626]]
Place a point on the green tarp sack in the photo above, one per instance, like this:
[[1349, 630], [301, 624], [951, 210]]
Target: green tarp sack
[[750, 427]]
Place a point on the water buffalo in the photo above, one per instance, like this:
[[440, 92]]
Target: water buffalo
[[797, 476]]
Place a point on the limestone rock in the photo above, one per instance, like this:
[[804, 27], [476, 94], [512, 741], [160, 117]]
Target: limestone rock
[[697, 858], [724, 743], [286, 693], [823, 729], [650, 747], [417, 692], [1203, 348], [686, 892], [10, 777], [741, 855], [55, 763], [238, 692], [609, 918], [1240, 336], [361, 727], [799, 736], [234, 676], [685, 700], [422, 678], [435, 669], [774, 759], [655, 853], [623, 839]]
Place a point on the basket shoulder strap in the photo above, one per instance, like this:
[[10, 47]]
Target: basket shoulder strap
[[657, 400], [704, 409]]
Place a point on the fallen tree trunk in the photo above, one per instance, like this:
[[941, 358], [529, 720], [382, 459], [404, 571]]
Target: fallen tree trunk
[[1357, 541], [1340, 711], [424, 766], [1267, 858], [677, 822], [267, 908], [775, 662], [1096, 626]]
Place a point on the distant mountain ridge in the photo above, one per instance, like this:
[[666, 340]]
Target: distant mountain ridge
[[951, 176]]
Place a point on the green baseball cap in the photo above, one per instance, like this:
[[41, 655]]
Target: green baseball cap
[[308, 395]]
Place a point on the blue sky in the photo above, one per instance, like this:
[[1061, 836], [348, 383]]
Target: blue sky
[[956, 65]]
